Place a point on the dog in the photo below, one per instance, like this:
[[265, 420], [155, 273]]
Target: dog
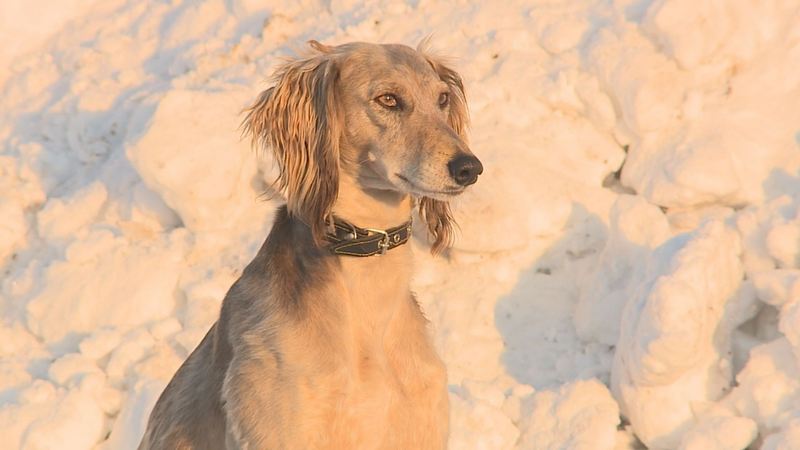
[[320, 343]]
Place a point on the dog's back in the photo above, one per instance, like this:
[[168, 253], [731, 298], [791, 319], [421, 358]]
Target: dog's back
[[193, 411], [188, 414]]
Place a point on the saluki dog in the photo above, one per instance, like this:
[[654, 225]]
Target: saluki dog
[[320, 343]]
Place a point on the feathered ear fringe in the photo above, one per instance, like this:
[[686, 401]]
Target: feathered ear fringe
[[439, 221], [436, 213], [298, 120]]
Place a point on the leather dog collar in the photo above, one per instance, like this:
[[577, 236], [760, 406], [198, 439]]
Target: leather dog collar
[[350, 240]]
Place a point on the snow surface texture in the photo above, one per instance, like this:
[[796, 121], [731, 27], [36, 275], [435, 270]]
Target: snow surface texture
[[628, 268]]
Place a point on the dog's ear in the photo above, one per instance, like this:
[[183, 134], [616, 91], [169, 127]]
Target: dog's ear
[[436, 213], [299, 121], [458, 116], [439, 221]]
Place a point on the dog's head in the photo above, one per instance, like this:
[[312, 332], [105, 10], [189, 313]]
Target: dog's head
[[392, 117]]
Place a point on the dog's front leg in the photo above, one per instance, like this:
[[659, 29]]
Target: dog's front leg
[[253, 404], [231, 443]]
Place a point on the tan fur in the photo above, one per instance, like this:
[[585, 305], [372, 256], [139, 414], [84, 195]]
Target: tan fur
[[312, 350]]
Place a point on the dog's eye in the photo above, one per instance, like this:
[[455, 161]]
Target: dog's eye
[[387, 100], [444, 99]]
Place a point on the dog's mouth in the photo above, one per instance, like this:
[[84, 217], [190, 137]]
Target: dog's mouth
[[438, 194]]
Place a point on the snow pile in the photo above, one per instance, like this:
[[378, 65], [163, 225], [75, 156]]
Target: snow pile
[[636, 229], [718, 428], [628, 267], [480, 413], [173, 160], [711, 101], [70, 302], [580, 415], [671, 352]]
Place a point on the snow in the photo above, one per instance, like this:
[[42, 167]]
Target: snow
[[174, 160], [627, 270], [718, 428], [580, 415], [670, 352]]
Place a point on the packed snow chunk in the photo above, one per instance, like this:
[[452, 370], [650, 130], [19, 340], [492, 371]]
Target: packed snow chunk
[[165, 328], [137, 344], [561, 34], [769, 385], [721, 152], [777, 287], [647, 87], [205, 177], [477, 424], [579, 416], [132, 419], [733, 29], [75, 422], [108, 398], [47, 418], [789, 325], [150, 210], [33, 402], [63, 217], [514, 184], [783, 244], [671, 352], [566, 154], [24, 26], [20, 188], [683, 220], [719, 429], [712, 162], [128, 285], [636, 228], [787, 439], [70, 368], [100, 343], [161, 363], [749, 223], [12, 229]]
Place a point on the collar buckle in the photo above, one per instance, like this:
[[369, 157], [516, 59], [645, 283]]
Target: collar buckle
[[383, 244]]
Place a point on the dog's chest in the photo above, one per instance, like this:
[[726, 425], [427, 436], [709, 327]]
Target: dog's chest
[[380, 393], [377, 406], [381, 386]]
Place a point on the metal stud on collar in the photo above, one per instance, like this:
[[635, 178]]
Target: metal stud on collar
[[353, 233]]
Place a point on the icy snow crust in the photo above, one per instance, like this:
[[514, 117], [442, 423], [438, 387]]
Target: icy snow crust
[[666, 293]]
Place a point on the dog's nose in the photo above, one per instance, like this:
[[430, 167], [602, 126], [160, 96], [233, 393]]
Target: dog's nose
[[465, 169]]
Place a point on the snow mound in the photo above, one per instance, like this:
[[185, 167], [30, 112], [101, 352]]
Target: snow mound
[[129, 285], [769, 385], [205, 179], [49, 418], [706, 147], [719, 429], [581, 416], [637, 227], [670, 352], [784, 440], [478, 422]]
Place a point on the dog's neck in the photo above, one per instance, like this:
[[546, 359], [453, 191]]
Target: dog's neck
[[378, 286], [371, 208]]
